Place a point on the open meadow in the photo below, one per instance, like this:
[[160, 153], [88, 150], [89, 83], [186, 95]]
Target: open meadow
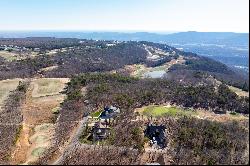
[[6, 86]]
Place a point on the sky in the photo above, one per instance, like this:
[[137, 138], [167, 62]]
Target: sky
[[125, 15]]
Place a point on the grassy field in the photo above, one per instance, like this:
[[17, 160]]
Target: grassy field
[[38, 151], [11, 56], [238, 91], [5, 87], [48, 86], [159, 111]]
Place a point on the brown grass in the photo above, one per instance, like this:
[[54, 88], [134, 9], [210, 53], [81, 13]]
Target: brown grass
[[5, 87], [48, 86], [37, 112], [238, 91]]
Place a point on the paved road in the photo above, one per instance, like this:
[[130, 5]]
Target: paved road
[[74, 142]]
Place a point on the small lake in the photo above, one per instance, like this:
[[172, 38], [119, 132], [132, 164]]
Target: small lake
[[155, 74]]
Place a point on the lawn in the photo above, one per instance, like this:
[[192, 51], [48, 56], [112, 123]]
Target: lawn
[[96, 114], [158, 111]]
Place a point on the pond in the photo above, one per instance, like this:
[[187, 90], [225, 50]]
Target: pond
[[155, 74]]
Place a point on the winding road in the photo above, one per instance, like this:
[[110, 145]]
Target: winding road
[[72, 142]]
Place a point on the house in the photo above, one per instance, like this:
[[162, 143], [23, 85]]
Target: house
[[100, 123], [36, 49], [110, 45], [100, 132], [152, 164], [109, 112], [156, 134]]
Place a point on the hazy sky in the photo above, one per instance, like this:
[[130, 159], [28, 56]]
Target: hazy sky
[[139, 15]]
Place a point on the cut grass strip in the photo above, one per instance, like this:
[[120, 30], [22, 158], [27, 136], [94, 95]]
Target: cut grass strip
[[159, 111], [96, 114]]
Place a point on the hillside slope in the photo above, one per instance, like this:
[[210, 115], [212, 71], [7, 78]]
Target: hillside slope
[[96, 56]]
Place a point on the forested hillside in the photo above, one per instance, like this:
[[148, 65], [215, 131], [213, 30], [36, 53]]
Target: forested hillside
[[73, 56], [189, 140]]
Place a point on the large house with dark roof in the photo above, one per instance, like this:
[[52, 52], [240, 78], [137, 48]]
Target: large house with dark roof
[[156, 134], [109, 112]]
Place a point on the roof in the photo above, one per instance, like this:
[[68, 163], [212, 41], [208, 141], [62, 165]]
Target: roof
[[157, 133], [109, 112], [100, 133], [152, 164]]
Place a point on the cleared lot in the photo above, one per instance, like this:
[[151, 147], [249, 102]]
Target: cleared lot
[[5, 87], [42, 98], [48, 86]]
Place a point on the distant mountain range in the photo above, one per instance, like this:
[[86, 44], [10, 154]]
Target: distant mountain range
[[227, 38], [227, 47]]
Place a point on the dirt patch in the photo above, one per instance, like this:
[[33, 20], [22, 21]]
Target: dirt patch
[[22, 146]]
